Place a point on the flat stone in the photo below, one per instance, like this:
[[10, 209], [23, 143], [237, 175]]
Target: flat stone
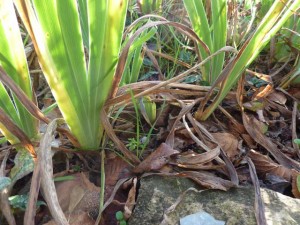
[[236, 206]]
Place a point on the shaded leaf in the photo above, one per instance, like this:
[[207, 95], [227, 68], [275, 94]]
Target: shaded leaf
[[193, 160], [277, 97], [24, 165], [296, 185], [229, 143], [157, 159], [76, 219], [254, 130], [4, 182], [78, 195], [208, 180], [130, 203], [21, 201], [259, 205], [264, 165]]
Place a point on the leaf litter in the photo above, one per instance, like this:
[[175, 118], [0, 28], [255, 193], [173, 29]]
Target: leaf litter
[[214, 153]]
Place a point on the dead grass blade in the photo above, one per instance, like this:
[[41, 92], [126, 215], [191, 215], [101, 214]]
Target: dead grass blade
[[294, 126], [259, 205], [111, 198], [185, 109], [123, 57], [154, 62], [30, 106], [197, 140], [230, 167], [174, 79], [265, 165], [17, 132], [254, 131], [4, 194], [33, 194], [47, 183], [109, 131]]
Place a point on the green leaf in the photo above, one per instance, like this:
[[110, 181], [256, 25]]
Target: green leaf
[[63, 178], [4, 182], [298, 182], [123, 222], [119, 215], [21, 201], [24, 165], [148, 109], [271, 23], [79, 86], [13, 61]]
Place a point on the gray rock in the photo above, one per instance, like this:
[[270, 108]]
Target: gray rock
[[202, 218], [161, 202]]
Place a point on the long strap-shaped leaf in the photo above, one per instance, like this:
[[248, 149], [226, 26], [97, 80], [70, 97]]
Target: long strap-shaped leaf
[[80, 91], [13, 61], [280, 11], [213, 32]]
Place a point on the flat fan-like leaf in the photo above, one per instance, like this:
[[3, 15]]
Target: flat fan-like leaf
[[13, 61], [271, 23], [79, 87]]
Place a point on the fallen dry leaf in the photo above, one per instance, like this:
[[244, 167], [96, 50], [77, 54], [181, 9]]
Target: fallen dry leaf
[[193, 160], [156, 160], [78, 195], [191, 157], [277, 97], [115, 168], [229, 143], [207, 180], [130, 203], [264, 165], [81, 218], [254, 131], [295, 189]]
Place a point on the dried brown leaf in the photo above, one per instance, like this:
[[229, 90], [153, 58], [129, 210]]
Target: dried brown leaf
[[78, 195], [192, 158], [254, 130], [115, 169], [130, 203], [229, 143], [115, 139], [277, 97], [259, 205], [208, 180], [295, 188], [156, 160], [264, 165], [76, 219], [17, 132]]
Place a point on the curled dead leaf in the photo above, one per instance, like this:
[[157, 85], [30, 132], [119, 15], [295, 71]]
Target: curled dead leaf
[[277, 97], [156, 160], [130, 203], [264, 165], [296, 185], [254, 131], [208, 180]]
